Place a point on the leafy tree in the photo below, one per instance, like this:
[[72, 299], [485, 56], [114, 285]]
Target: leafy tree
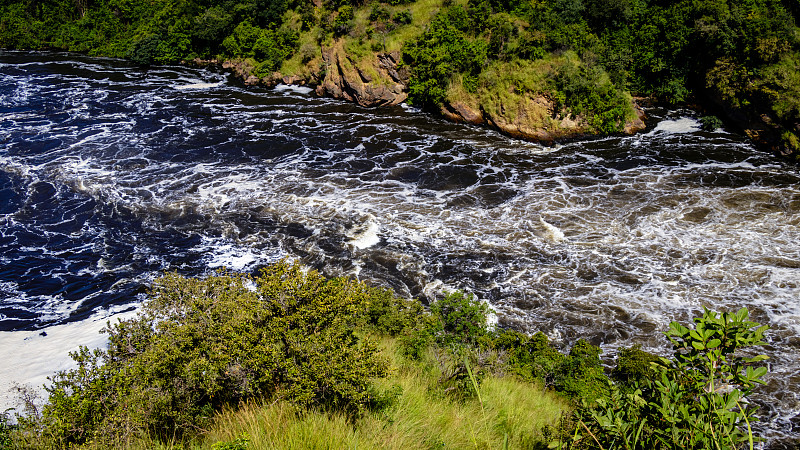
[[201, 344], [443, 51]]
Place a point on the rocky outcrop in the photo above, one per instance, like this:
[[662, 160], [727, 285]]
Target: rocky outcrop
[[532, 117], [374, 81], [461, 112], [636, 125], [243, 70], [379, 80]]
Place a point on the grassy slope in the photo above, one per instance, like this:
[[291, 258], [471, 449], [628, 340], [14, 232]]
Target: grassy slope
[[512, 413]]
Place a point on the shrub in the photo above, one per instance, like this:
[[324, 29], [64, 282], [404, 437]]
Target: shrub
[[444, 50], [241, 41], [343, 23], [710, 123], [531, 357], [402, 17], [378, 13], [634, 365], [201, 344], [240, 443], [696, 400], [415, 342], [384, 313], [586, 90], [5, 432], [462, 369], [580, 375], [272, 48], [461, 317]]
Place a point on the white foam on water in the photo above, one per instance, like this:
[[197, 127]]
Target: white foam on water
[[683, 125], [551, 232], [304, 90], [197, 85], [366, 235], [29, 357], [226, 255]]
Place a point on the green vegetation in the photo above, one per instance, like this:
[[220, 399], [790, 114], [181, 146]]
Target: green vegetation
[[578, 59], [200, 345], [5, 431], [290, 359], [696, 400]]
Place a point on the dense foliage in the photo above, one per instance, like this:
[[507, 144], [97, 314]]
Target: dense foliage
[[469, 42], [202, 346], [696, 400], [740, 58], [5, 431]]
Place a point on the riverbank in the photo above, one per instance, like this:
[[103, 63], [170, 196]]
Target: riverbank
[[220, 360], [535, 71], [379, 79]]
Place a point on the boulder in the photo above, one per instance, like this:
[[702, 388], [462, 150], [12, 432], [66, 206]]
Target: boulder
[[461, 112]]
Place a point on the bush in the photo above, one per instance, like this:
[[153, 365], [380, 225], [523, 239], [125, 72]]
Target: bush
[[272, 48], [462, 370], [633, 366], [580, 375], [531, 357], [240, 443], [5, 432], [384, 313], [343, 23], [444, 50], [201, 344], [696, 400], [710, 123], [402, 18], [586, 90], [378, 13], [461, 318]]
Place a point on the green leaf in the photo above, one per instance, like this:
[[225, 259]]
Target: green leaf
[[756, 359], [695, 335]]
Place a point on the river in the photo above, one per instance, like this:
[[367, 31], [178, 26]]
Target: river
[[111, 174]]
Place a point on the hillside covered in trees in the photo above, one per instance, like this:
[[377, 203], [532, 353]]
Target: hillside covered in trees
[[536, 69]]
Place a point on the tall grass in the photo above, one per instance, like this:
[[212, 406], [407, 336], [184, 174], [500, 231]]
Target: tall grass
[[422, 12], [512, 413]]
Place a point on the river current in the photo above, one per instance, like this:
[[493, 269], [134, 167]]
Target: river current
[[111, 175]]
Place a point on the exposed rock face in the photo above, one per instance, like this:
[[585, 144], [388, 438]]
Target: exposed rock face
[[534, 117], [242, 70], [374, 82], [378, 80], [460, 112], [636, 125], [531, 117]]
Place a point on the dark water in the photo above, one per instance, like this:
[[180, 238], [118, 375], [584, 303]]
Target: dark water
[[110, 175]]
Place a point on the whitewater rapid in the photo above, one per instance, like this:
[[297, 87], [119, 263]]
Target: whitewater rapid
[[111, 175]]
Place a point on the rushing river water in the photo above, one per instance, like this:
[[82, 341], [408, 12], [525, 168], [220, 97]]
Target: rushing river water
[[110, 175]]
